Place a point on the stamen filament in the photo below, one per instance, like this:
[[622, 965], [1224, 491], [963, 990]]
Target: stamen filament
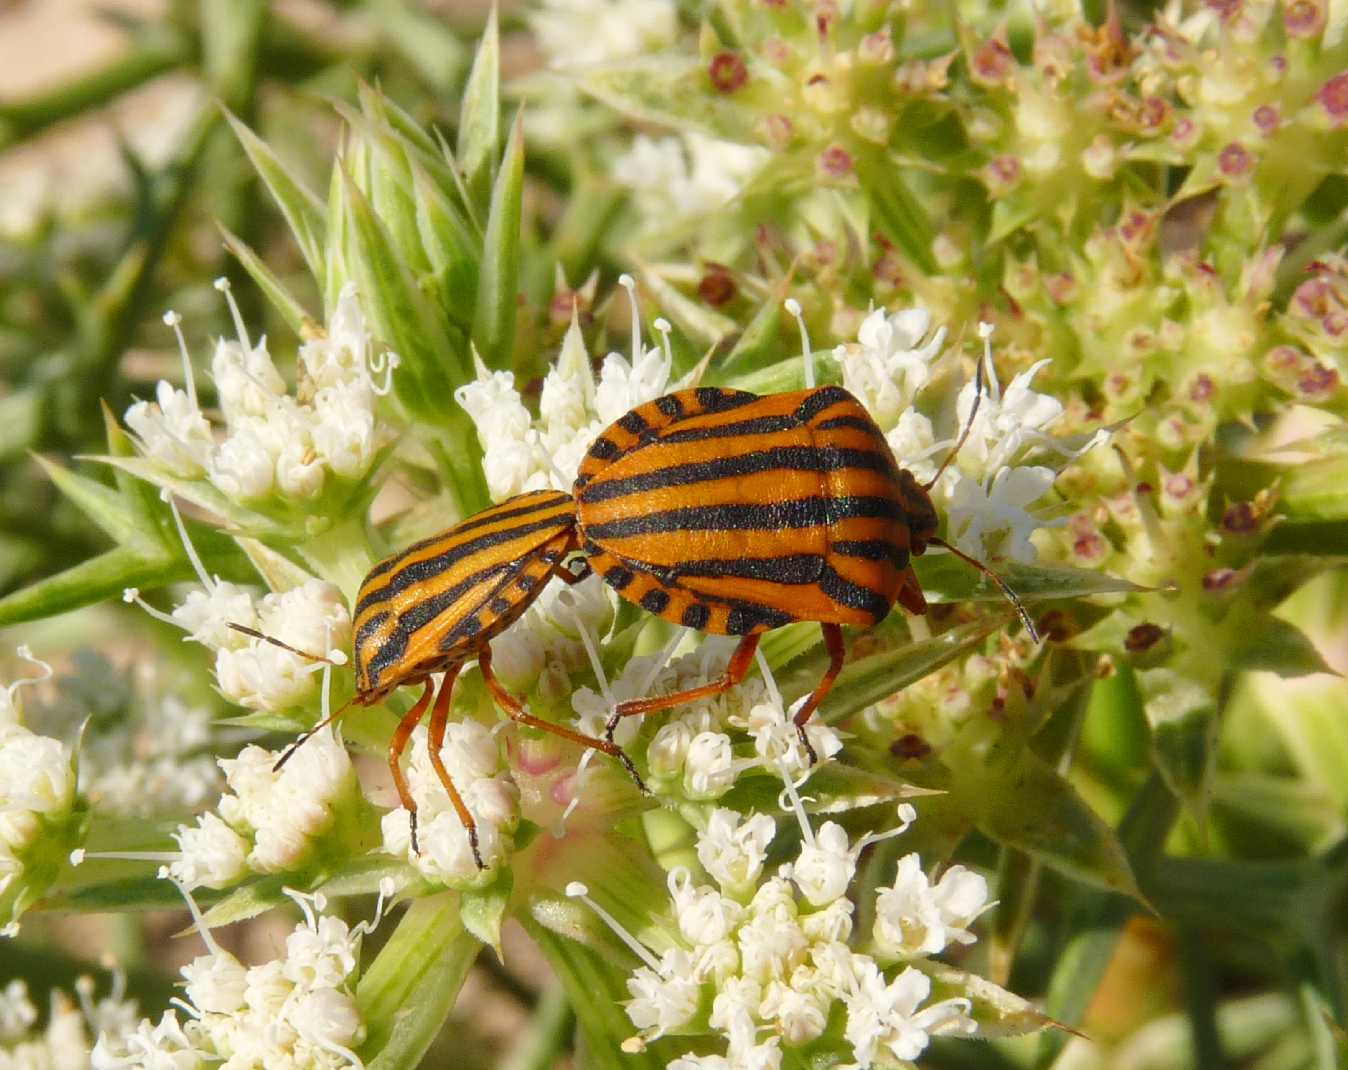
[[576, 890], [630, 285], [792, 307], [222, 284], [191, 550], [172, 319]]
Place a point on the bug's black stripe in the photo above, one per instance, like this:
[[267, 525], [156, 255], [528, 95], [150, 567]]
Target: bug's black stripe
[[854, 423], [744, 617], [670, 406], [604, 448], [425, 611], [471, 524], [794, 458], [429, 568], [633, 423], [823, 398], [696, 616], [797, 513], [655, 600], [789, 568], [870, 550], [713, 400], [618, 578], [851, 594], [759, 425]]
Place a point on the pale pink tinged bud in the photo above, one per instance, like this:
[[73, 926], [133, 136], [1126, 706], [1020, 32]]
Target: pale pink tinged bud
[[1277, 67], [1202, 388], [1235, 161], [1118, 384], [877, 48], [1225, 9], [835, 162], [1219, 579], [1155, 113], [777, 52], [1303, 18], [1137, 226], [1333, 97], [1185, 133], [1090, 548], [1267, 119], [1002, 173], [727, 72], [1061, 287], [825, 15], [1319, 383], [1141, 340], [1314, 298], [1335, 324], [1178, 486], [1283, 358], [993, 62], [778, 130]]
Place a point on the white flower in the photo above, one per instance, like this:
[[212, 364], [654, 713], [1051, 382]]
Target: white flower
[[172, 431], [825, 868], [578, 32], [666, 1000], [1005, 423], [890, 362], [799, 1006], [705, 916], [833, 924], [343, 431], [777, 741], [701, 1062], [914, 918], [692, 175], [771, 947], [216, 983], [327, 1017], [211, 854], [35, 773], [17, 1013], [343, 354], [913, 443], [734, 853], [162, 1046], [246, 379], [994, 524], [733, 1011], [709, 771], [207, 613], [321, 954], [624, 385], [884, 1015], [242, 466]]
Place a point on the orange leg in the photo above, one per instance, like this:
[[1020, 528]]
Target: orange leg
[[514, 708], [833, 641], [734, 673], [439, 718], [395, 752]]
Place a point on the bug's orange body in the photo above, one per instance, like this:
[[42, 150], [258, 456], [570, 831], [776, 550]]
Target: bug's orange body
[[732, 513]]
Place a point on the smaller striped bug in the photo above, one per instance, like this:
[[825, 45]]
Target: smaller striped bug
[[436, 605]]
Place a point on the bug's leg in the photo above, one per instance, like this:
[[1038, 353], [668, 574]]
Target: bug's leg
[[395, 752], [833, 642], [734, 673], [515, 710], [439, 718]]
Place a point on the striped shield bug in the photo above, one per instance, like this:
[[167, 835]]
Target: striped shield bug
[[436, 605], [732, 513]]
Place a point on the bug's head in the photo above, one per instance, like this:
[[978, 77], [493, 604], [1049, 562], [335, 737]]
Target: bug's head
[[919, 511]]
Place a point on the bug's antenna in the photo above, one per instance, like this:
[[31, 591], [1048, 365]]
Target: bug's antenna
[[309, 733], [285, 646], [984, 332], [1002, 586]]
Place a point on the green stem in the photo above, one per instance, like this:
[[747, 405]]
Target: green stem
[[156, 53], [547, 1038]]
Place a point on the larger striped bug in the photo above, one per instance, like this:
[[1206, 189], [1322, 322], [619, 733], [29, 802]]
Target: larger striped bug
[[732, 513]]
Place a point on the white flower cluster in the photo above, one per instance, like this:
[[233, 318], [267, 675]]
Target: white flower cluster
[[983, 494], [293, 1011], [268, 821], [522, 454], [693, 752], [472, 759], [772, 956], [153, 763], [274, 444], [64, 1042], [37, 785], [692, 174], [578, 32]]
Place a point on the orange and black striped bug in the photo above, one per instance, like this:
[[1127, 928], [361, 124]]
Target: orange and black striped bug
[[719, 510], [732, 513]]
